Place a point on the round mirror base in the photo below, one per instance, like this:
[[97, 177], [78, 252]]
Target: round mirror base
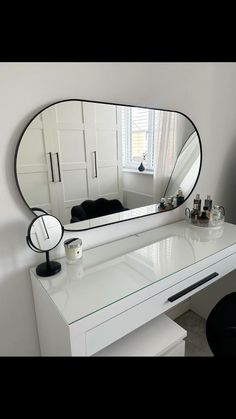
[[48, 269]]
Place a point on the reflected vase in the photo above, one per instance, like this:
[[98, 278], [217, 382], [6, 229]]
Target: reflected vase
[[141, 167]]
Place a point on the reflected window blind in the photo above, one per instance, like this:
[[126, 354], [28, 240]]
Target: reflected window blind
[[137, 137]]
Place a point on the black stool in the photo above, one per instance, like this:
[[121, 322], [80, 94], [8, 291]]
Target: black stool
[[221, 327]]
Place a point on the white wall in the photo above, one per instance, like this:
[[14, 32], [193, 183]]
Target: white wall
[[206, 92], [138, 189]]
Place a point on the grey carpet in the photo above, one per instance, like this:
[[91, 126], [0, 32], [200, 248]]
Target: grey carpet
[[196, 341]]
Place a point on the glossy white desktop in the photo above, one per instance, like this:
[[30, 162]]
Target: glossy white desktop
[[119, 286]]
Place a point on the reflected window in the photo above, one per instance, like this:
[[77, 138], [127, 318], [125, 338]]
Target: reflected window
[[138, 127]]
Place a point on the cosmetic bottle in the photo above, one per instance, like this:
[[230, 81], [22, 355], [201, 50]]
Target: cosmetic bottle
[[73, 249], [169, 203], [217, 215], [162, 204], [208, 202], [197, 201], [180, 197], [194, 214], [203, 219], [174, 201]]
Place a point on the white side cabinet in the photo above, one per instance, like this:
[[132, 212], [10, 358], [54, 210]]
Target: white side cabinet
[[121, 286]]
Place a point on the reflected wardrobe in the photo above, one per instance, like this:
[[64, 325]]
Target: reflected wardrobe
[[74, 157]]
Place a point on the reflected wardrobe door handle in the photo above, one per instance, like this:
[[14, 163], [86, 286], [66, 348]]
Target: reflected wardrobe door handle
[[94, 153], [58, 166], [51, 165], [45, 228]]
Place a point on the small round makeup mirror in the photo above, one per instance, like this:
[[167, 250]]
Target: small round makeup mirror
[[44, 233]]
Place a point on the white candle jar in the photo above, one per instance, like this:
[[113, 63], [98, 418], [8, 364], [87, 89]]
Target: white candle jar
[[73, 249]]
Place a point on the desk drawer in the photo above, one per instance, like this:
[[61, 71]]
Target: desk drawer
[[122, 324]]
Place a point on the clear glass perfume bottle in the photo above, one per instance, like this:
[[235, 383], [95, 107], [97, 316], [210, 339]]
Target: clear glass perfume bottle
[[217, 215]]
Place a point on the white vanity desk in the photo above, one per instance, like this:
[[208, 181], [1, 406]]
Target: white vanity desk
[[121, 285]]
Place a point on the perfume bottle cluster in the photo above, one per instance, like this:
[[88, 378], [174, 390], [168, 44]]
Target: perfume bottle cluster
[[171, 202], [205, 214]]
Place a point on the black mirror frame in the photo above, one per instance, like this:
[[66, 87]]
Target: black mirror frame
[[116, 104], [28, 238]]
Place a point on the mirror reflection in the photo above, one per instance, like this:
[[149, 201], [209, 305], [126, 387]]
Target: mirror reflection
[[45, 233], [186, 167], [91, 164]]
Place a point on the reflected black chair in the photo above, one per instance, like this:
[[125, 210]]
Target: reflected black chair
[[221, 327], [97, 208]]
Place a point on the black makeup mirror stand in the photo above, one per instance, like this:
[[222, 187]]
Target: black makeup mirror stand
[[49, 267]]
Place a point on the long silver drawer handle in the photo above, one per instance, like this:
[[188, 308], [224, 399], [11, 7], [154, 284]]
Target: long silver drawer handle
[[192, 287]]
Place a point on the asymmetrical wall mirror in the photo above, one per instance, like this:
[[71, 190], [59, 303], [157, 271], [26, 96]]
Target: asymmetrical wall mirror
[[91, 163]]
